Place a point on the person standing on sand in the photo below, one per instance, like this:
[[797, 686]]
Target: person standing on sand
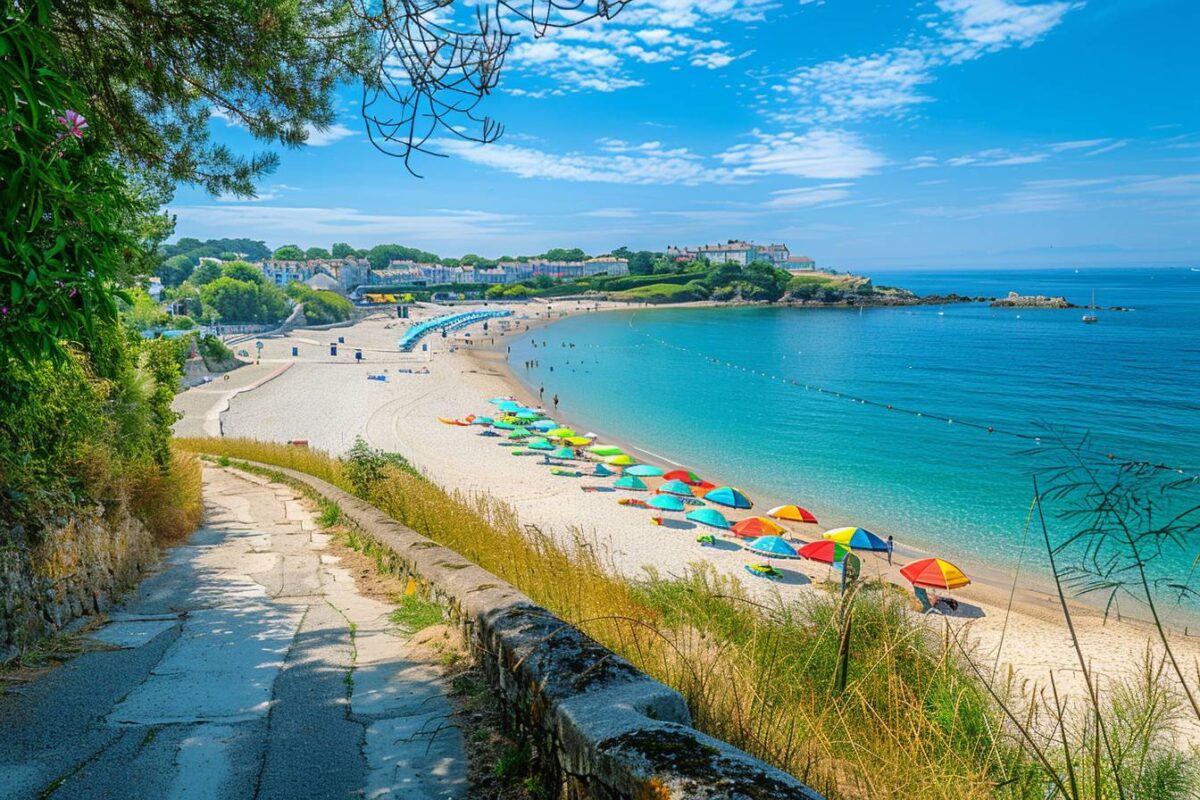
[[541, 393], [556, 402], [891, 546]]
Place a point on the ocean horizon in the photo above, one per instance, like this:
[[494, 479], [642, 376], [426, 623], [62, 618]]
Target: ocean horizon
[[771, 398]]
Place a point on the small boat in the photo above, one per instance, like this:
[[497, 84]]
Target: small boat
[[1091, 319]]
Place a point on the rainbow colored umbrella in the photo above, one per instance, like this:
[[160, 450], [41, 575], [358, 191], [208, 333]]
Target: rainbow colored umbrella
[[710, 517], [539, 444], [563, 452], [665, 502], [690, 478], [935, 574], [620, 460], [772, 547], [755, 527], [676, 487], [631, 482], [644, 471], [857, 538], [792, 513], [825, 551], [729, 496]]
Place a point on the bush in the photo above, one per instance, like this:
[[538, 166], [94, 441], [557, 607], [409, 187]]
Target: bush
[[665, 293], [213, 349], [321, 307], [237, 300]]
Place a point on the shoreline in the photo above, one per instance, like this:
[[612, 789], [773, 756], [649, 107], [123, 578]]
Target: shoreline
[[318, 400]]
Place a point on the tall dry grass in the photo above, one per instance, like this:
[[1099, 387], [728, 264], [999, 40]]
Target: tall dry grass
[[168, 502], [911, 720]]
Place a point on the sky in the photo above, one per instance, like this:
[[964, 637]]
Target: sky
[[939, 133]]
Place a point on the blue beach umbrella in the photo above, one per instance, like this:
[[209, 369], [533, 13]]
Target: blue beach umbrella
[[665, 502], [545, 425], [482, 421], [539, 444], [710, 517], [631, 482], [676, 487], [772, 547], [602, 471], [643, 471], [729, 496], [498, 400], [504, 426], [857, 538], [563, 452], [527, 414], [511, 406]]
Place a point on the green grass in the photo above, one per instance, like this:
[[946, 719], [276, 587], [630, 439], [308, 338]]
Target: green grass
[[414, 614]]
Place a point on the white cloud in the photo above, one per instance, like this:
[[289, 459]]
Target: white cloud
[[816, 154], [809, 196], [1002, 157], [891, 83]]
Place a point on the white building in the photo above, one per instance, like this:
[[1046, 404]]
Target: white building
[[736, 251]]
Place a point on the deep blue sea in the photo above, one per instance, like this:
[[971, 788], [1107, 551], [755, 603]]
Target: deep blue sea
[[723, 390]]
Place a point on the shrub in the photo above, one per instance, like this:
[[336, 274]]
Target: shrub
[[665, 293], [321, 307]]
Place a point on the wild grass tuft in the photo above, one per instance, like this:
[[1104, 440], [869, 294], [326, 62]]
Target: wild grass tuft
[[909, 720], [414, 614]]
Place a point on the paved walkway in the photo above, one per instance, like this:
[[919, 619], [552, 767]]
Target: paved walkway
[[248, 667], [203, 405]]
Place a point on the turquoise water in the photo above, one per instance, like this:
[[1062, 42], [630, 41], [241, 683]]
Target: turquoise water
[[719, 397]]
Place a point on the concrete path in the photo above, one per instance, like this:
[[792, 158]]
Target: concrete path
[[248, 667], [203, 405]]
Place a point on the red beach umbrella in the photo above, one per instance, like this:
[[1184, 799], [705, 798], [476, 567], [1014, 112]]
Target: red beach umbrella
[[756, 527], [935, 574], [689, 477], [825, 551]]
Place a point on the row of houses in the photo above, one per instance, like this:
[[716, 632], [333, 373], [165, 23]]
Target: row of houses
[[346, 273], [743, 253]]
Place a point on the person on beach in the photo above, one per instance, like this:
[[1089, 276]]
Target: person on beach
[[556, 402], [541, 393], [891, 546]]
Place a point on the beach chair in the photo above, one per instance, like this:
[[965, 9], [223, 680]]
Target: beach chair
[[923, 598], [602, 471], [764, 571]]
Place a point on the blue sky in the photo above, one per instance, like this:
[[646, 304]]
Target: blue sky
[[944, 133]]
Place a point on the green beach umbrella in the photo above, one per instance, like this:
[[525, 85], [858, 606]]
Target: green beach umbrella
[[620, 460], [539, 444], [519, 433], [605, 450], [631, 482], [644, 471], [563, 452], [504, 426], [559, 433]]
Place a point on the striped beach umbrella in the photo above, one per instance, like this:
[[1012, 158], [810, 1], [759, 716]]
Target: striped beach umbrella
[[935, 573], [755, 527], [825, 551], [857, 538], [792, 513]]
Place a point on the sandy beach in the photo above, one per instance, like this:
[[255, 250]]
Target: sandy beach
[[329, 400]]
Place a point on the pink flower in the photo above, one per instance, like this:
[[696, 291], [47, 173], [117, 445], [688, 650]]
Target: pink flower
[[74, 122]]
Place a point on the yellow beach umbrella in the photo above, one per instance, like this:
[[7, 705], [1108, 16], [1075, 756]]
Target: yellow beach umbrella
[[560, 433], [577, 441], [622, 460]]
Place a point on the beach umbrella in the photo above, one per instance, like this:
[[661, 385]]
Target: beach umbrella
[[605, 450], [563, 452], [502, 425], [631, 482], [935, 574], [857, 538], [773, 547], [544, 425], [482, 421], [519, 433], [688, 477], [559, 433], [620, 460], [793, 513], [710, 517], [540, 444], [602, 471], [511, 406], [665, 502], [527, 414], [754, 527], [577, 441], [729, 496], [675, 486], [644, 471], [499, 400], [825, 551]]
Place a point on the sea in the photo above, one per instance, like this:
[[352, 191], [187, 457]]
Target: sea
[[928, 423]]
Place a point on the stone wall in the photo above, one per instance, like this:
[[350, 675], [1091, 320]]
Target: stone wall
[[605, 729], [75, 569]]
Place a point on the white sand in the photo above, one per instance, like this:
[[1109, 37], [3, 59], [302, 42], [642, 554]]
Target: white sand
[[329, 401]]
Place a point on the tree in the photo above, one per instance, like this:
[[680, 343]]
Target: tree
[[244, 301], [381, 254], [316, 252], [228, 255], [241, 271], [205, 274], [289, 252], [641, 262], [175, 270], [562, 254], [341, 250]]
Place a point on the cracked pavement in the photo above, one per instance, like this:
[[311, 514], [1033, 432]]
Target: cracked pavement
[[247, 666]]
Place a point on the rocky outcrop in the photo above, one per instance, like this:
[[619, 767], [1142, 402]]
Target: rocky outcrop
[[1014, 300], [604, 729], [75, 569]]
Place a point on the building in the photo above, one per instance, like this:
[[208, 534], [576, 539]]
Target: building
[[404, 272], [799, 264], [349, 272], [735, 250], [155, 289]]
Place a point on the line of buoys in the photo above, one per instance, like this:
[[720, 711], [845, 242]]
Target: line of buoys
[[1027, 437]]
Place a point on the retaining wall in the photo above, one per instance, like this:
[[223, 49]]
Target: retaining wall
[[605, 729]]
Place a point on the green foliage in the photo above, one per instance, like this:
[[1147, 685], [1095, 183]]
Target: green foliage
[[175, 270], [341, 250], [205, 274], [158, 71], [321, 307], [65, 209], [289, 252], [414, 614], [245, 301], [316, 252], [214, 350], [251, 249], [564, 254], [365, 465], [241, 271], [142, 312], [381, 254], [665, 293]]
